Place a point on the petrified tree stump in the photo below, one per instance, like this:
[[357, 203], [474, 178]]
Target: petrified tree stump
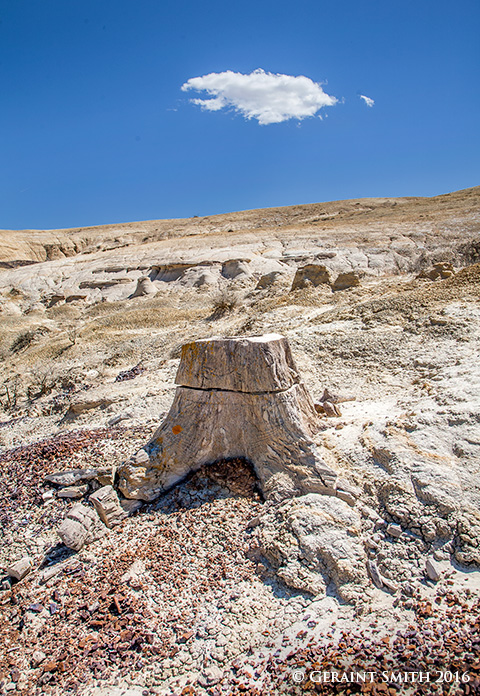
[[237, 398]]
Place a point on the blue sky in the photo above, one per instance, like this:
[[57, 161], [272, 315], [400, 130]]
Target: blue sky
[[95, 128]]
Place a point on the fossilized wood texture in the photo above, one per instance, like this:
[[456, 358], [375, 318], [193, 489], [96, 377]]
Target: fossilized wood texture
[[258, 364], [238, 398]]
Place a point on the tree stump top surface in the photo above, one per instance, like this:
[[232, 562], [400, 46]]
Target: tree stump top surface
[[244, 364]]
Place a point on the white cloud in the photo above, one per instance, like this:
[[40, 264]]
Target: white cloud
[[268, 97], [367, 100]]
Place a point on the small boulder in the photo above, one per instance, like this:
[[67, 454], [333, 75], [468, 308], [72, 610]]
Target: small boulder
[[144, 287], [80, 526], [394, 530], [106, 475], [210, 676], [108, 506], [374, 574], [314, 274], [346, 280], [432, 571], [439, 271], [37, 658]]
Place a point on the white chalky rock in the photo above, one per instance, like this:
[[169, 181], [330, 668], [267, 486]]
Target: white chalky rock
[[314, 539]]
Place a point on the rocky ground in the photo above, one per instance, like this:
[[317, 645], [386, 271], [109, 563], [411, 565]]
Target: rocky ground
[[210, 589]]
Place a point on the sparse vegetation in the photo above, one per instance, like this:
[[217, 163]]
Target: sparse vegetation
[[43, 382], [224, 303], [11, 394], [26, 338]]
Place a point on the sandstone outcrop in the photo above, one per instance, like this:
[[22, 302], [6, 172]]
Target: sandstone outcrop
[[144, 287], [346, 280], [311, 274], [439, 271], [237, 398]]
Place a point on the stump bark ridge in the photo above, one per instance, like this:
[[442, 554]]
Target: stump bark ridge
[[237, 398]]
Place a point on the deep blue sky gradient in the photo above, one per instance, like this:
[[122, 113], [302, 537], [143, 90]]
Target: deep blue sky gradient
[[94, 128]]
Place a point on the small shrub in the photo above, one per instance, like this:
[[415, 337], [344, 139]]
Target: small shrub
[[72, 335], [11, 394], [224, 303], [24, 339], [43, 382]]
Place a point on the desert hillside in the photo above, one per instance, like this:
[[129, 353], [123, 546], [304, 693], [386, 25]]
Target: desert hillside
[[212, 587]]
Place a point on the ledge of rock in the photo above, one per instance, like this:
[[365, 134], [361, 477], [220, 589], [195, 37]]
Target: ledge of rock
[[238, 398], [314, 539]]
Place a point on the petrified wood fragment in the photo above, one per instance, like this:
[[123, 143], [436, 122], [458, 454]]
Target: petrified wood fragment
[[237, 398], [80, 526], [107, 505]]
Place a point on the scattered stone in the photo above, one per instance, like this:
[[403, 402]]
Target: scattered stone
[[126, 375], [210, 676], [65, 478], [432, 571], [80, 526], [87, 403], [394, 530], [108, 506], [374, 574], [37, 658], [440, 555], [73, 491], [49, 573], [104, 475], [347, 497], [347, 487], [20, 568], [48, 497], [254, 522], [118, 419], [37, 608], [388, 584], [370, 513]]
